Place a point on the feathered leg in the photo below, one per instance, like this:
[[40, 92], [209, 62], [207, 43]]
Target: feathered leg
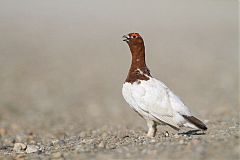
[[152, 128]]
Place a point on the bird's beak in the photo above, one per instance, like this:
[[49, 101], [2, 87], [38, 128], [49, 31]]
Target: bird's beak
[[126, 38]]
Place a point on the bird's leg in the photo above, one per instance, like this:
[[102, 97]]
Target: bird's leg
[[152, 128]]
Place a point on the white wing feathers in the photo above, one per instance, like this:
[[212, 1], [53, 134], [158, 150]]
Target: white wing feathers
[[153, 100]]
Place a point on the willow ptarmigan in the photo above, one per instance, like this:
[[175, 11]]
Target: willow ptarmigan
[[151, 98]]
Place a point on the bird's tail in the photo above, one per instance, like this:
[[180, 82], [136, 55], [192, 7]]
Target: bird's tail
[[196, 122]]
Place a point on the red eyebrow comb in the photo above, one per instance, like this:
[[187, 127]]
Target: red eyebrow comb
[[135, 34]]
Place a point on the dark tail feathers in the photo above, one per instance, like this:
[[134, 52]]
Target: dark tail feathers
[[196, 122]]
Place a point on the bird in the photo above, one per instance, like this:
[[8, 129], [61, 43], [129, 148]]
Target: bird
[[151, 98]]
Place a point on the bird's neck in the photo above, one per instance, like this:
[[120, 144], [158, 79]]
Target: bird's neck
[[138, 69], [138, 57]]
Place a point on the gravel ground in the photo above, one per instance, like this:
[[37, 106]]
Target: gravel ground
[[62, 65], [221, 141]]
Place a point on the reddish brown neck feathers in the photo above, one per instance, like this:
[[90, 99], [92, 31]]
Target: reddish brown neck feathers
[[138, 69]]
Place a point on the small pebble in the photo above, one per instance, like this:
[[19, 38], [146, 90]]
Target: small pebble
[[32, 149], [152, 140], [166, 134], [56, 155], [19, 147], [102, 144], [111, 146], [54, 142]]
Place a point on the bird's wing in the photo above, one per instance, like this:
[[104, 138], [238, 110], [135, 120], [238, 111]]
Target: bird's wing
[[177, 104], [152, 96]]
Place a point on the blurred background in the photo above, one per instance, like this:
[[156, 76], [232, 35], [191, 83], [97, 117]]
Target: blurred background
[[62, 63]]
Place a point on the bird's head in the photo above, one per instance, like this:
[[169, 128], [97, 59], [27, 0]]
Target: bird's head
[[133, 39]]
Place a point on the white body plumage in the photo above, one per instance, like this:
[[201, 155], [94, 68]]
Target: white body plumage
[[154, 101]]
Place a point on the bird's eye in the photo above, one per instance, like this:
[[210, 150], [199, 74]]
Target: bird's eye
[[134, 36]]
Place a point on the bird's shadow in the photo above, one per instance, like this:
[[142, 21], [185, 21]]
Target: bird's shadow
[[192, 132]]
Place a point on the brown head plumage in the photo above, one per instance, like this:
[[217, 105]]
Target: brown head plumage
[[138, 69]]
